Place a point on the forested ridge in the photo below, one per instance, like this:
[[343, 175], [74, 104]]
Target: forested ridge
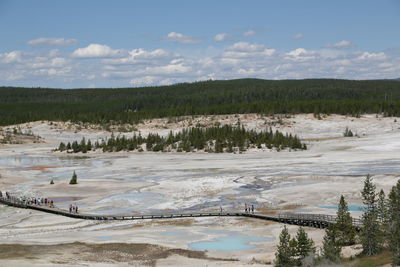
[[130, 105]]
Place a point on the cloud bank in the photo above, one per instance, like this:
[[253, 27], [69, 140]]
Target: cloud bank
[[106, 66]]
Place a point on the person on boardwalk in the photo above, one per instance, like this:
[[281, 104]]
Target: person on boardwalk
[[1, 194], [70, 208], [245, 207], [76, 209], [252, 209]]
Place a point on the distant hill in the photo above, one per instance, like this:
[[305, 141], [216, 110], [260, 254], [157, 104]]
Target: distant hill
[[130, 105]]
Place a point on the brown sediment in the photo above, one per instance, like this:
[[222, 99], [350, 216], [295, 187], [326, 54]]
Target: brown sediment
[[40, 168], [146, 254], [177, 222], [292, 206], [321, 138], [172, 222], [252, 221]]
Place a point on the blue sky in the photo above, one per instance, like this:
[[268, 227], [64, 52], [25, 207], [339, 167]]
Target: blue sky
[[71, 44]]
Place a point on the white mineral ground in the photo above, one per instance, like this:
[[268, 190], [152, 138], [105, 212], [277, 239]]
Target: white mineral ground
[[149, 182]]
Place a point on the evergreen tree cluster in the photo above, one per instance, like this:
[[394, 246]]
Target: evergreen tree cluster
[[380, 230], [381, 221], [216, 139], [293, 251], [300, 251], [76, 147], [132, 105]]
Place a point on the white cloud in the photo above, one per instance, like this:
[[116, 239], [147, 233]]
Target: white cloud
[[97, 51], [371, 56], [57, 62], [181, 38], [11, 57], [341, 44], [174, 67], [244, 49], [220, 37], [141, 55], [249, 33], [301, 54], [52, 41], [298, 36]]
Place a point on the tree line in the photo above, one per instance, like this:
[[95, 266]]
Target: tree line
[[216, 139], [132, 105], [380, 230]]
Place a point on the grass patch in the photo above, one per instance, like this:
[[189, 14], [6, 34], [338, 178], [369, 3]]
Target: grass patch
[[371, 261]]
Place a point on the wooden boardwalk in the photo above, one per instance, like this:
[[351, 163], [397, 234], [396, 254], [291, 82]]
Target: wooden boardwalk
[[311, 220]]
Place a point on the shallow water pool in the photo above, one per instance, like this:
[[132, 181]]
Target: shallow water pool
[[232, 241], [350, 207]]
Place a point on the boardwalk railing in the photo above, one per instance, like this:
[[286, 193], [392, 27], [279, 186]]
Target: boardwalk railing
[[311, 220]]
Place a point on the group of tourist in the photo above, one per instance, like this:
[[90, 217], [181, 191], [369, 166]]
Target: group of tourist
[[38, 201], [73, 208], [248, 208], [34, 201], [28, 200]]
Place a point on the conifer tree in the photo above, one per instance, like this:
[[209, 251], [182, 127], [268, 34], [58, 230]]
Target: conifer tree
[[394, 225], [304, 245], [371, 235], [82, 146], [383, 213], [89, 145], [330, 248], [74, 179], [62, 147], [75, 147], [293, 251], [344, 225], [283, 255]]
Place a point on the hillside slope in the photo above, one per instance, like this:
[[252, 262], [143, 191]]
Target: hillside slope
[[130, 105]]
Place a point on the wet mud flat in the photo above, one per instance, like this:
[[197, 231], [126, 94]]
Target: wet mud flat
[[114, 253]]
